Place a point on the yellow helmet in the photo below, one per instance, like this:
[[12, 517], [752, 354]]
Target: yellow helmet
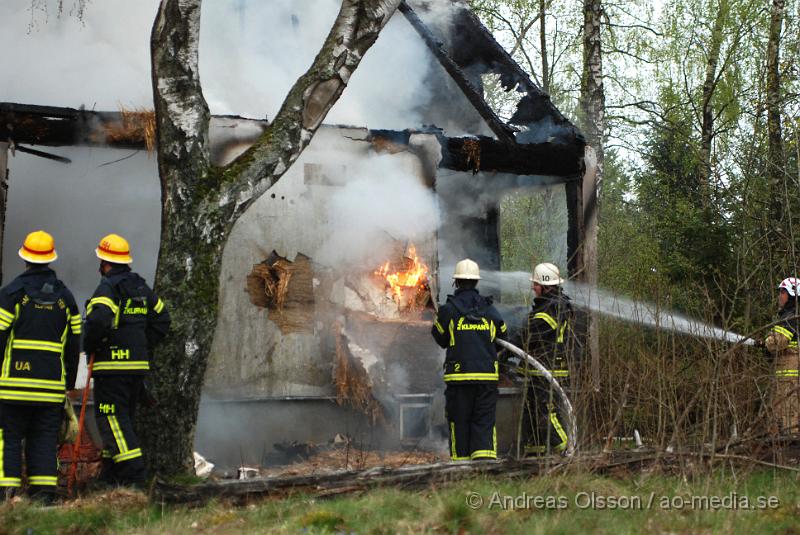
[[39, 248], [114, 248]]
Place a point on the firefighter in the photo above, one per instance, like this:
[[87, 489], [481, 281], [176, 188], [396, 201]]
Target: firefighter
[[40, 328], [782, 341], [124, 321], [467, 326], [547, 338]]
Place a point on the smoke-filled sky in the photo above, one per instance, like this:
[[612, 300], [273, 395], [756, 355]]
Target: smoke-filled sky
[[251, 52]]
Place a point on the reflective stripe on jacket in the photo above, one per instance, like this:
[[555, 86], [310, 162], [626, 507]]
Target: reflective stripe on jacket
[[467, 326], [40, 329], [782, 340], [124, 319], [548, 333]]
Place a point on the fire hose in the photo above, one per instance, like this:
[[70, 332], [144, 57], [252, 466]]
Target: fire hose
[[563, 401]]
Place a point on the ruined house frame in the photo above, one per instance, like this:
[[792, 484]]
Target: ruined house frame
[[467, 53]]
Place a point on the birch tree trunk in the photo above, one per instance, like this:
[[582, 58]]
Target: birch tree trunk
[[201, 203], [543, 43], [776, 160], [593, 104], [709, 87]]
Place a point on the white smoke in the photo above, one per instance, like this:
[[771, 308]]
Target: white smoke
[[253, 52], [380, 203], [100, 62]]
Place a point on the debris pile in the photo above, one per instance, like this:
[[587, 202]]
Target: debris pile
[[340, 454], [285, 287], [353, 384]]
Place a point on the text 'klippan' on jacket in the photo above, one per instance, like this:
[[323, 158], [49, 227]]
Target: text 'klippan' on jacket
[[124, 321], [467, 326], [40, 328]]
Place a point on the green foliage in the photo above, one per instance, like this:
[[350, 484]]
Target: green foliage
[[444, 509], [678, 211], [533, 229], [627, 257], [323, 520]]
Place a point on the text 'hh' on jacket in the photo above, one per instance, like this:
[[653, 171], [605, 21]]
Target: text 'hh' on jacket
[[124, 321]]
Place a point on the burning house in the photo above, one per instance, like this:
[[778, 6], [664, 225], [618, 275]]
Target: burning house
[[330, 280]]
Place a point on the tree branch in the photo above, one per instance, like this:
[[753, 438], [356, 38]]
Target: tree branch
[[313, 95]]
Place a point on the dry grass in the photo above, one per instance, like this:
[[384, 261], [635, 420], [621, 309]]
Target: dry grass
[[136, 126], [122, 498], [350, 458]]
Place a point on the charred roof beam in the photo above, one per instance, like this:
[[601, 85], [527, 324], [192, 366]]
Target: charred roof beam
[[469, 45], [482, 153], [48, 126], [503, 131]]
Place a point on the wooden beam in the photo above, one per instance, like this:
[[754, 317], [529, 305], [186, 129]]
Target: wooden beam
[[56, 126], [486, 154], [582, 242], [412, 476], [482, 153], [51, 126]]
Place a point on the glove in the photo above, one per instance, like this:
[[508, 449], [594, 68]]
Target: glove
[[68, 431]]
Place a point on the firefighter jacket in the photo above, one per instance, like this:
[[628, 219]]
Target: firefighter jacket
[[548, 334], [467, 326], [783, 337], [124, 321], [40, 329]]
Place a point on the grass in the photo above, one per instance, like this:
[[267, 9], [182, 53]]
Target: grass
[[572, 503]]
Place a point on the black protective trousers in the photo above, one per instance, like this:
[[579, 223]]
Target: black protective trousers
[[38, 426], [115, 401], [543, 429], [470, 411]]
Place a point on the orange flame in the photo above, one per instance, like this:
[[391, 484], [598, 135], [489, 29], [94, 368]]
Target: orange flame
[[415, 275]]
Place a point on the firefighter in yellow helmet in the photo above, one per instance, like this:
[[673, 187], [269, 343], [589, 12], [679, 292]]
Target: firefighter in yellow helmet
[[466, 326], [124, 321], [40, 328], [782, 341], [546, 337]]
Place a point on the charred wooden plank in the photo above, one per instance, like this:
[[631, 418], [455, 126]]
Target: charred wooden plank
[[482, 153], [346, 481], [56, 126], [549, 159], [42, 154], [52, 126]]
